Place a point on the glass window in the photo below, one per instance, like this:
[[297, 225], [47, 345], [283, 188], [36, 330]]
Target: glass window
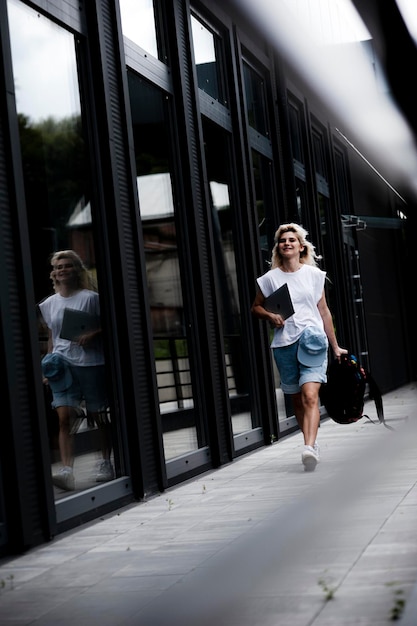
[[255, 100], [218, 159], [60, 214], [181, 430], [138, 24], [264, 202], [208, 60], [342, 187], [295, 119], [262, 176], [301, 198], [295, 132], [319, 154], [326, 209]]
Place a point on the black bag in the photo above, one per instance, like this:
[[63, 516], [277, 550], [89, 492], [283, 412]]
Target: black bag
[[343, 395]]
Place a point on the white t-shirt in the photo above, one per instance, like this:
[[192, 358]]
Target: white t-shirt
[[306, 289], [52, 310]]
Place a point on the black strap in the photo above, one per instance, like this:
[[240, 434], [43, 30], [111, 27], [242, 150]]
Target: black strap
[[375, 395]]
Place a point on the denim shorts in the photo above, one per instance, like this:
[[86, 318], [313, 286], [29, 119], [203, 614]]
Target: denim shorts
[[293, 374], [88, 384]]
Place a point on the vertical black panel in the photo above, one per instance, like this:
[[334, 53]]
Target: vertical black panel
[[23, 453]]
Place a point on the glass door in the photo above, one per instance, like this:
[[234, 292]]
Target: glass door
[[81, 420], [183, 431], [245, 422]]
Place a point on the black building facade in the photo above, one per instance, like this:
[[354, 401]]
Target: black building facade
[[165, 146]]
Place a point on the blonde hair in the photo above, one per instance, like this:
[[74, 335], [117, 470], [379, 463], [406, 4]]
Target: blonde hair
[[84, 278], [308, 255]]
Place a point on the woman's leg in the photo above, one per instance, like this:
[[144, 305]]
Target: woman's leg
[[64, 479], [307, 412], [65, 439], [298, 409], [105, 471], [311, 412]]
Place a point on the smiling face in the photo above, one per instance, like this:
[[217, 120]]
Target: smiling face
[[289, 246], [66, 269]]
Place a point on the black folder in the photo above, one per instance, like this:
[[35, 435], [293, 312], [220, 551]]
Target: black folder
[[280, 302]]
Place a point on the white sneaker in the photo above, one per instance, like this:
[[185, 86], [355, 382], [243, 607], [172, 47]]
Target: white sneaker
[[310, 458], [64, 479], [316, 448], [105, 472]]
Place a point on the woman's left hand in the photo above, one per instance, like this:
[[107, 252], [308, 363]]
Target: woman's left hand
[[338, 352]]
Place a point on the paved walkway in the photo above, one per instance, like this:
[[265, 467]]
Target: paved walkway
[[259, 542]]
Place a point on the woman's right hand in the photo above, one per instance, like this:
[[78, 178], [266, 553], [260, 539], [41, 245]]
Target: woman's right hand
[[276, 320]]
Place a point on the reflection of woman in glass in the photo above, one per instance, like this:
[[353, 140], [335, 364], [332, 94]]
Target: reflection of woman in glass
[[75, 365]]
